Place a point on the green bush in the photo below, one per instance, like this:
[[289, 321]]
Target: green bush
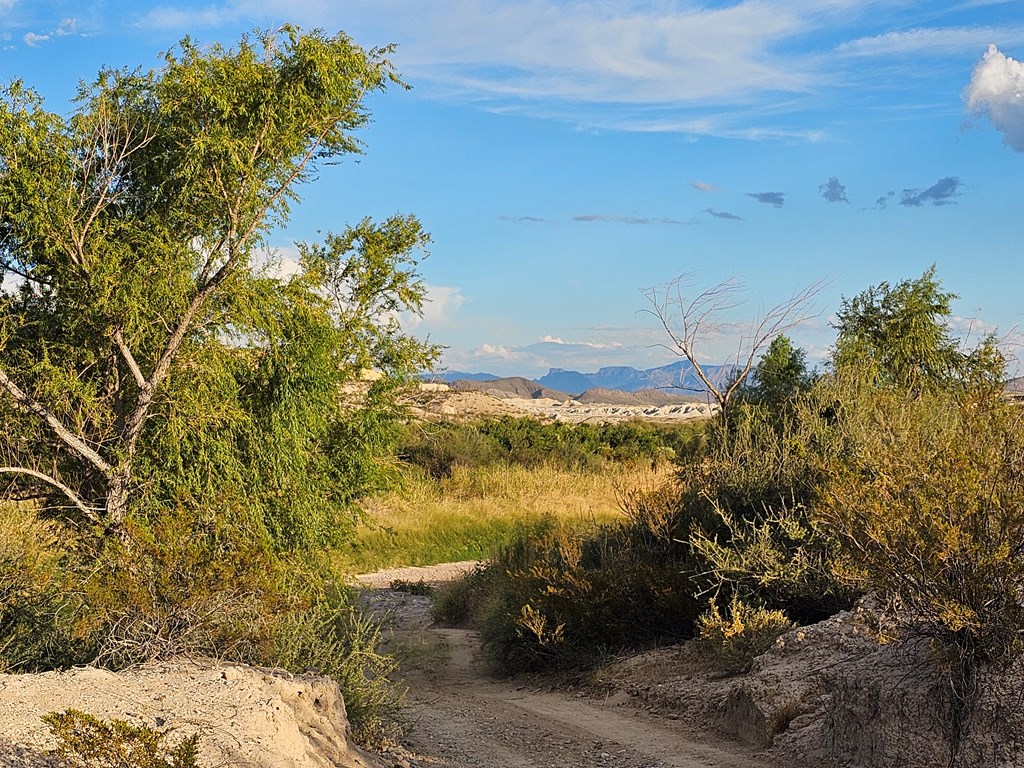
[[437, 448], [747, 512], [559, 598], [87, 742], [459, 602], [742, 634], [326, 632]]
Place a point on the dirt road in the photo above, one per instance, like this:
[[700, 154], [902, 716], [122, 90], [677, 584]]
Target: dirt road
[[463, 717]]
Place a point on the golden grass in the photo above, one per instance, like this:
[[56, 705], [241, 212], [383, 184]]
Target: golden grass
[[465, 516]]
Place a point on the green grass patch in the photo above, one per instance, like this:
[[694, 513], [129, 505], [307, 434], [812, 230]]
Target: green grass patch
[[470, 513]]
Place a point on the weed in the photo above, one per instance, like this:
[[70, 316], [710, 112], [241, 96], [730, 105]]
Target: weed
[[87, 742], [742, 634]]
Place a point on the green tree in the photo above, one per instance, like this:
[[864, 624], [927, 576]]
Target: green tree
[[780, 374], [146, 355], [900, 336]]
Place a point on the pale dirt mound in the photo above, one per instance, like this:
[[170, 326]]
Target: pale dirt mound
[[245, 717]]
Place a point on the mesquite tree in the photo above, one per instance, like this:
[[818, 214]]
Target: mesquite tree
[[141, 326]]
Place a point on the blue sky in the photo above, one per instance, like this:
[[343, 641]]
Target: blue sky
[[568, 155]]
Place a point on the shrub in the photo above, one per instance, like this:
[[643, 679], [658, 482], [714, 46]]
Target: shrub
[[458, 602], [926, 496], [34, 606], [747, 512], [326, 632], [86, 742], [181, 587], [559, 598], [744, 633]]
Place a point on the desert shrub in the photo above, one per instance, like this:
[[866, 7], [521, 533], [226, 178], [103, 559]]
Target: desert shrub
[[327, 633], [438, 448], [459, 602], [559, 598], [744, 632], [87, 742], [181, 586], [34, 606], [746, 510], [926, 496]]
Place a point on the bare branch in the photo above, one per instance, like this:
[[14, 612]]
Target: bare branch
[[70, 440], [128, 357], [689, 321], [85, 509]]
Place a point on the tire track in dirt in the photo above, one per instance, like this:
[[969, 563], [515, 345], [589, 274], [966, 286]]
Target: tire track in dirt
[[464, 717]]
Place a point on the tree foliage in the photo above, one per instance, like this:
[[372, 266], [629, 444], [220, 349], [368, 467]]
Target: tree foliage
[[779, 375], [147, 357], [900, 335]]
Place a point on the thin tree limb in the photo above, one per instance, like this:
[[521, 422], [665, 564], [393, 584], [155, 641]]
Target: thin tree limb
[[72, 441], [85, 509]]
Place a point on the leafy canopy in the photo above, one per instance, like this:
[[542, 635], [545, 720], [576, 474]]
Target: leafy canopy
[[148, 358], [901, 336]]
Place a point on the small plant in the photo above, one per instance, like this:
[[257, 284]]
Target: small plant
[[785, 715], [87, 742], [458, 602], [744, 633], [420, 587]]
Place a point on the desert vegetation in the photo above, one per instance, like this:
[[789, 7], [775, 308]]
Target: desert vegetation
[[179, 451], [895, 471], [192, 464]]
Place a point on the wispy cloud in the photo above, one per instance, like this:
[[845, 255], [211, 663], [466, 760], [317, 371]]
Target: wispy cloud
[[996, 92], [524, 219], [722, 214], [833, 191], [703, 186], [744, 69], [602, 218], [68, 27], [775, 199], [930, 41], [941, 192]]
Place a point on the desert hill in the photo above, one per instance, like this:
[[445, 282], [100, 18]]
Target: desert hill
[[512, 386]]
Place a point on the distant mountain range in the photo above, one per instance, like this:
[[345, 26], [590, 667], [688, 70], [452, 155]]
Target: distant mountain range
[[677, 378]]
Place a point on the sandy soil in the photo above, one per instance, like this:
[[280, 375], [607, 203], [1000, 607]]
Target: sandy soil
[[464, 717], [245, 717]]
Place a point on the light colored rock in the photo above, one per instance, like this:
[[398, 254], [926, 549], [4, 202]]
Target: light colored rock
[[245, 717]]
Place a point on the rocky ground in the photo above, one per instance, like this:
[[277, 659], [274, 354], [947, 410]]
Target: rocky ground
[[438, 400], [245, 717]]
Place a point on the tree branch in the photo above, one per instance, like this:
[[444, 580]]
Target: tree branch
[[85, 509], [72, 441]]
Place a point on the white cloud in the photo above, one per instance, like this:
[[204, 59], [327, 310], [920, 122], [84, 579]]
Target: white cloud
[[584, 344], [929, 40], [6, 5], [67, 27], [703, 186], [611, 52], [33, 40], [996, 91], [440, 307], [280, 262]]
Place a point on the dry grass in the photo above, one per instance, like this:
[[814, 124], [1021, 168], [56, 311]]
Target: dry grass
[[465, 516]]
